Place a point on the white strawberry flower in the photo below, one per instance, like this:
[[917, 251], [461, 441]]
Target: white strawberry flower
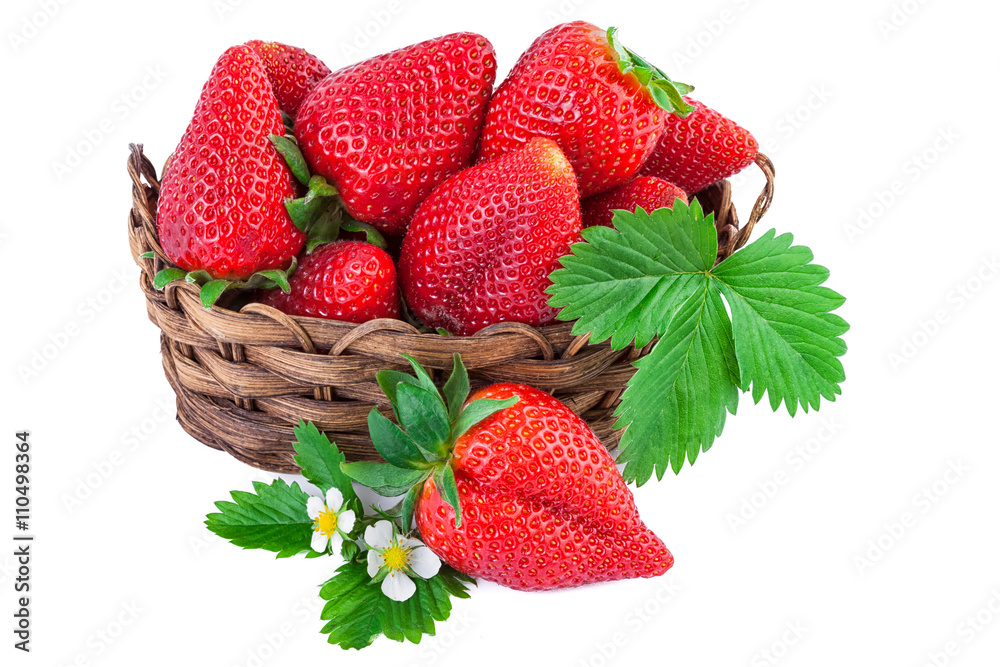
[[395, 559], [331, 520]]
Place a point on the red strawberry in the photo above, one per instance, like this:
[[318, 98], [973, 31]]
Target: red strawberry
[[481, 246], [578, 86], [699, 150], [646, 191], [293, 72], [517, 490], [543, 505], [351, 281], [221, 207], [387, 130]]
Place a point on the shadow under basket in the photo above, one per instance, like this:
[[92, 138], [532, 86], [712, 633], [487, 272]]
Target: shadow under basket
[[244, 379]]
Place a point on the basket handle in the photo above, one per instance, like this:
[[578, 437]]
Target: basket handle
[[763, 202]]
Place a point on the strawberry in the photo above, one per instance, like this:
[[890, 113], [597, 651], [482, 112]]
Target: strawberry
[[647, 192], [527, 496], [481, 246], [387, 130], [351, 281], [699, 150], [221, 206], [293, 72], [604, 105]]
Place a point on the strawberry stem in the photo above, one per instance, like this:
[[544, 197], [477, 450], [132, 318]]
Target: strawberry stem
[[320, 214], [667, 93], [421, 446], [213, 288]]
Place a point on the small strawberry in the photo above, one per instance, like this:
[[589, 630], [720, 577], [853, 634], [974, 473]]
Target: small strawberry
[[221, 211], [603, 104], [350, 281], [481, 246], [293, 72], [699, 150], [647, 192], [517, 490], [387, 130]]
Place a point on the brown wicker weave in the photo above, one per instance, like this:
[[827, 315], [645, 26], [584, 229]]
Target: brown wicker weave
[[244, 379]]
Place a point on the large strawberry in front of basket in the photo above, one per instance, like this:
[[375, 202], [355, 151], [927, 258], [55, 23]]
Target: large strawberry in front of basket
[[481, 247], [510, 486], [603, 104], [386, 131], [221, 213]]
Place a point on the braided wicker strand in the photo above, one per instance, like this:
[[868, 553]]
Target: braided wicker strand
[[244, 379]]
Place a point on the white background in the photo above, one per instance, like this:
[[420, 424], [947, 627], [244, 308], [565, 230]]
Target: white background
[[858, 115]]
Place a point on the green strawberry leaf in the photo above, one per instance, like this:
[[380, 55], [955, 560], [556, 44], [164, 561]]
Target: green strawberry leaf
[[167, 276], [348, 551], [456, 389], [625, 283], [274, 518], [357, 611], [424, 380], [212, 290], [278, 277], [444, 480], [319, 188], [788, 341], [149, 254], [320, 214], [198, 277], [477, 411], [372, 235], [667, 93], [409, 505], [395, 446], [653, 277], [289, 149], [676, 404], [320, 460], [424, 417], [384, 479], [304, 213], [326, 228], [389, 380]]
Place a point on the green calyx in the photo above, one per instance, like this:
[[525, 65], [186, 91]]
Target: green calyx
[[667, 93], [213, 288], [430, 421], [321, 213]]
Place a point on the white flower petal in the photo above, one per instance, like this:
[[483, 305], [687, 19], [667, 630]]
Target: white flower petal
[[336, 541], [345, 521], [334, 498], [319, 541], [424, 562], [411, 542], [399, 587], [379, 535], [314, 506], [375, 562]]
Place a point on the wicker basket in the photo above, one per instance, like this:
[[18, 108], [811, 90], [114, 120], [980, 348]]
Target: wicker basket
[[244, 379]]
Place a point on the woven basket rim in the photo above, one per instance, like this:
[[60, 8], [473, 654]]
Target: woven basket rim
[[243, 378], [140, 168]]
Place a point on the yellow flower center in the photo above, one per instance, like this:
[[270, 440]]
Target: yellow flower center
[[326, 522], [396, 557]]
